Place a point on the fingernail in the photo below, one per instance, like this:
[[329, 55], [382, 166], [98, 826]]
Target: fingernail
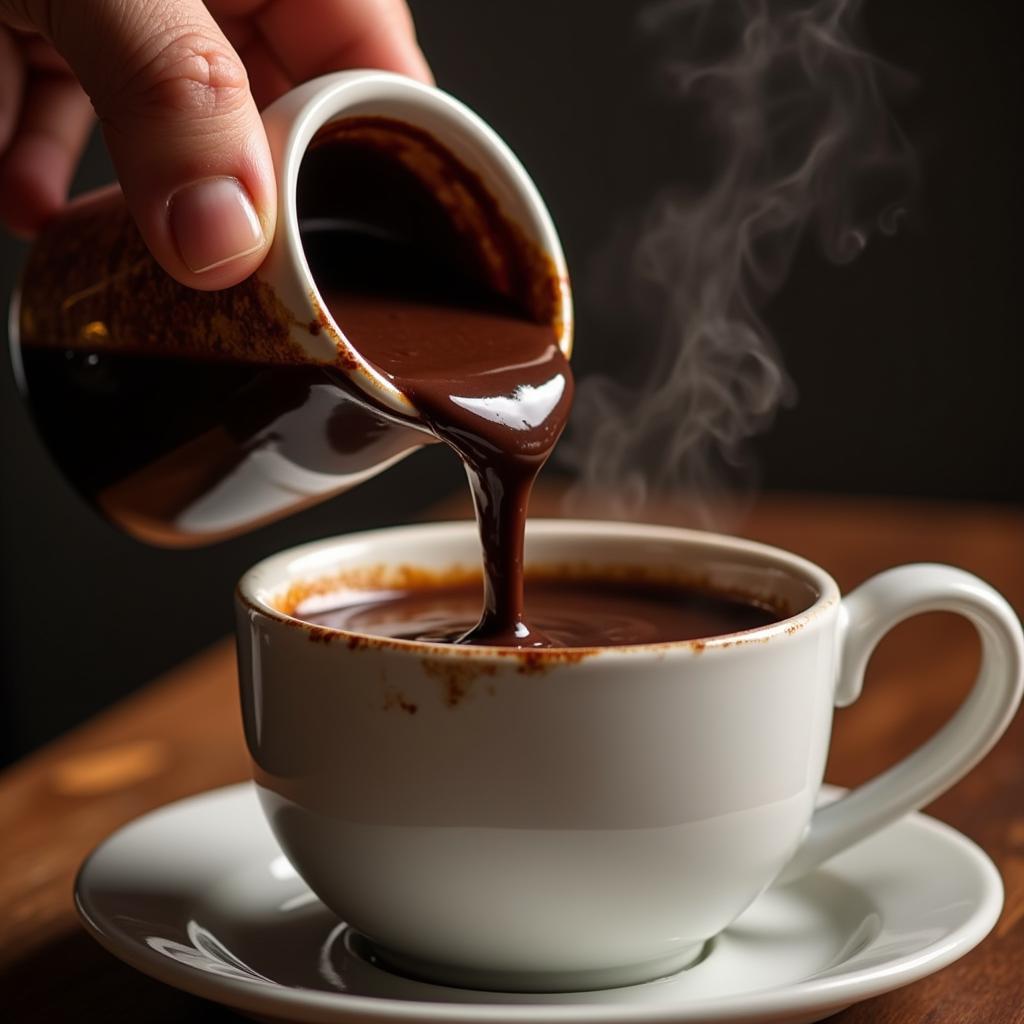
[[213, 223]]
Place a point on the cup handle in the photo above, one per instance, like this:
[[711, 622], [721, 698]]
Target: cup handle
[[866, 615]]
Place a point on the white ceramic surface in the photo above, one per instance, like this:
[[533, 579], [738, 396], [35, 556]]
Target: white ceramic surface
[[199, 895], [293, 120], [612, 810]]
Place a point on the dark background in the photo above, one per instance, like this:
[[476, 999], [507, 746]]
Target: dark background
[[908, 363]]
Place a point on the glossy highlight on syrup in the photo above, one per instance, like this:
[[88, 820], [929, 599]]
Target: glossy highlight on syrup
[[488, 381]]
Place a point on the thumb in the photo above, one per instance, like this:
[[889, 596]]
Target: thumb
[[182, 129]]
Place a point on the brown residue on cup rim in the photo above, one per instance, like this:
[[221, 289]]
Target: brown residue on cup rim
[[404, 576], [320, 634], [372, 578], [543, 659], [381, 578], [736, 639]]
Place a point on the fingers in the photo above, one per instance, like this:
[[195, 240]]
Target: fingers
[[39, 163], [179, 118], [182, 129], [334, 34], [267, 78], [282, 45]]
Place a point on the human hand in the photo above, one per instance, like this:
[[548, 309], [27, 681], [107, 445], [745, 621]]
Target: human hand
[[176, 85]]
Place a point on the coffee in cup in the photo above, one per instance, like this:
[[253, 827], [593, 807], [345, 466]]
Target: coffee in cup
[[571, 609]]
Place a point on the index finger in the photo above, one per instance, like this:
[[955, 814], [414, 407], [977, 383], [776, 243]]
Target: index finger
[[333, 35]]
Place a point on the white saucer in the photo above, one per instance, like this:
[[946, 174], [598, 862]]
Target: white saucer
[[198, 895]]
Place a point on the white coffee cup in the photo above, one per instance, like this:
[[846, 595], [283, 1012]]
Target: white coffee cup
[[551, 820]]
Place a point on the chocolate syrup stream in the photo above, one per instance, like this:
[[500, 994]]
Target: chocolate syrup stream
[[497, 389], [431, 283]]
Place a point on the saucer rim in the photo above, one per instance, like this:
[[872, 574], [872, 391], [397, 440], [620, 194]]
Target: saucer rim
[[827, 994]]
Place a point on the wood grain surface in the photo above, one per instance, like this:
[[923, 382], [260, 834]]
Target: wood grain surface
[[182, 734]]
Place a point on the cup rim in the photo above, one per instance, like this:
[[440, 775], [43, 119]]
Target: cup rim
[[270, 574]]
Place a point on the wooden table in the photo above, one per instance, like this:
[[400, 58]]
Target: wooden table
[[182, 734]]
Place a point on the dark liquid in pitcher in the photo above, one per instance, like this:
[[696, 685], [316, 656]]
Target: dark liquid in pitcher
[[176, 449], [180, 430], [155, 438], [184, 433]]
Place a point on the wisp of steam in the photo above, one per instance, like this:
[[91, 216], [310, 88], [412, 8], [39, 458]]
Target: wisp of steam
[[790, 107]]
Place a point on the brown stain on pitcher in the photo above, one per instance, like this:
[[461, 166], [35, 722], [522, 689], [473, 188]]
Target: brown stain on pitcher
[[90, 283]]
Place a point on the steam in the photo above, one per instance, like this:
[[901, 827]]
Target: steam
[[790, 109]]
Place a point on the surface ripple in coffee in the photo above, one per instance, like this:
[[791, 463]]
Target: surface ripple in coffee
[[569, 612]]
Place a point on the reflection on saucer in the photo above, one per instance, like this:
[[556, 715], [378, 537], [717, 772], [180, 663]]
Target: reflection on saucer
[[198, 895]]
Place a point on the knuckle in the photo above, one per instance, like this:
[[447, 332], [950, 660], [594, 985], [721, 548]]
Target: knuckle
[[186, 73]]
